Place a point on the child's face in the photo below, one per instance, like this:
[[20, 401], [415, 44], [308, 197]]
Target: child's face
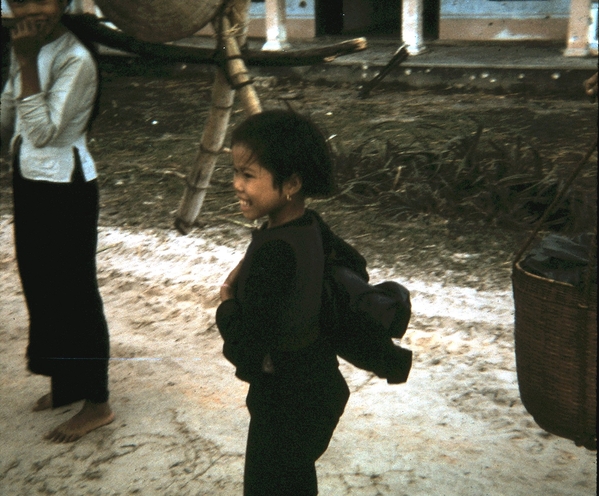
[[44, 15], [253, 185]]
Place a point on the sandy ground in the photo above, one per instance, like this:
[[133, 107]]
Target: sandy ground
[[456, 428]]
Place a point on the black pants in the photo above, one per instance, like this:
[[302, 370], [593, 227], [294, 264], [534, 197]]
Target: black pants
[[56, 239], [292, 422]]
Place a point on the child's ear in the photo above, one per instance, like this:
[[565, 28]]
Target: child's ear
[[293, 185]]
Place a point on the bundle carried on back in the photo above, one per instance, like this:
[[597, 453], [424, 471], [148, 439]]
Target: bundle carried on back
[[362, 319]]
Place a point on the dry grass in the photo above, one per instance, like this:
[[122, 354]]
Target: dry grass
[[505, 183]]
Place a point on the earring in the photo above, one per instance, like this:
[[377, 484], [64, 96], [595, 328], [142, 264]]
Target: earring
[[288, 197]]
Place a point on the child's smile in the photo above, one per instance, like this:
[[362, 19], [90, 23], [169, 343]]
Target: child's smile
[[255, 189]]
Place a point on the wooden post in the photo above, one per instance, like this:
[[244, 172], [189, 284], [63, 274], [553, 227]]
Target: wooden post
[[276, 25], [234, 30], [578, 29], [411, 25]]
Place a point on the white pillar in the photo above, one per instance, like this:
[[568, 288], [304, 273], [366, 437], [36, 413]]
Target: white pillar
[[6, 12], [578, 29], [76, 7], [411, 25], [593, 29], [82, 7], [276, 25]]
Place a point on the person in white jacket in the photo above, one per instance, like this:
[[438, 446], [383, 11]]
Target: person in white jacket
[[47, 103]]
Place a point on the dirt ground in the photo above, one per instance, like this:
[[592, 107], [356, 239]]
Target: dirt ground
[[456, 428]]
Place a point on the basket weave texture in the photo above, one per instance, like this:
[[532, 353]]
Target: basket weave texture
[[556, 355], [159, 21]]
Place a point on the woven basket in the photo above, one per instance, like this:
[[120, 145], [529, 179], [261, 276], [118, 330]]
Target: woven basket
[[556, 355], [159, 21]]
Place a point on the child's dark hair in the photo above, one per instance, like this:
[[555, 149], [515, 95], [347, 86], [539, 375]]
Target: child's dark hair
[[286, 143]]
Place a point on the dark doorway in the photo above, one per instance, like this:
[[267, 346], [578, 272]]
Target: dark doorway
[[329, 17], [431, 16], [358, 17]]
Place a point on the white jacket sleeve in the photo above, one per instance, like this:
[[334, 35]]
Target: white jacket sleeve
[[7, 110], [65, 105]]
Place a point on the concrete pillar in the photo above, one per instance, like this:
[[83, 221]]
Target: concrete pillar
[[593, 28], [6, 12], [76, 7], [82, 7], [411, 25], [578, 29], [276, 25]]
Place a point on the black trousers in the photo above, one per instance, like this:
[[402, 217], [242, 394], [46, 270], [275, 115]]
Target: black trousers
[[55, 239], [292, 422]]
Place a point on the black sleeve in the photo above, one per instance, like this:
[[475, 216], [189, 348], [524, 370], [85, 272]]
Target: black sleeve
[[251, 330]]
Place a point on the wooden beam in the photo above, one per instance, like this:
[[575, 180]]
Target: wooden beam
[[91, 28]]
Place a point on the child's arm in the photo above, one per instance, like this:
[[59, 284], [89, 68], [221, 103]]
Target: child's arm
[[7, 110], [26, 45], [268, 289], [590, 85], [68, 102], [252, 330], [227, 290]]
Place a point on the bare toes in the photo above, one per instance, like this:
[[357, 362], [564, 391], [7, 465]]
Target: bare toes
[[58, 436], [44, 403], [53, 435], [91, 416]]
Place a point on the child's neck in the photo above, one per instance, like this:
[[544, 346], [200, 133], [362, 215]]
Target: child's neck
[[56, 33], [293, 210]]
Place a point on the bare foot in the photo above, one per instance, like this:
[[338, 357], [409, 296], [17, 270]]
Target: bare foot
[[90, 417], [44, 403]]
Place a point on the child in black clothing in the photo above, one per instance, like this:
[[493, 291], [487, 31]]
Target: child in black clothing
[[270, 312]]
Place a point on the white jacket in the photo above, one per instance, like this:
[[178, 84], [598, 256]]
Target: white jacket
[[53, 122]]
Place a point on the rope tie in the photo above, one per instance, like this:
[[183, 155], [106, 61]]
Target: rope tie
[[221, 107], [203, 149], [238, 86], [220, 56], [194, 188]]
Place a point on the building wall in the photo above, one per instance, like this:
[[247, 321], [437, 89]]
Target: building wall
[[504, 20], [300, 19], [474, 20]]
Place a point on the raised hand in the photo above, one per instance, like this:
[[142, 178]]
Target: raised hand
[[227, 290], [26, 40]]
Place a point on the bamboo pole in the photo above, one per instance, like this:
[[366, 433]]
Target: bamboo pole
[[198, 180], [223, 96], [238, 72]]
